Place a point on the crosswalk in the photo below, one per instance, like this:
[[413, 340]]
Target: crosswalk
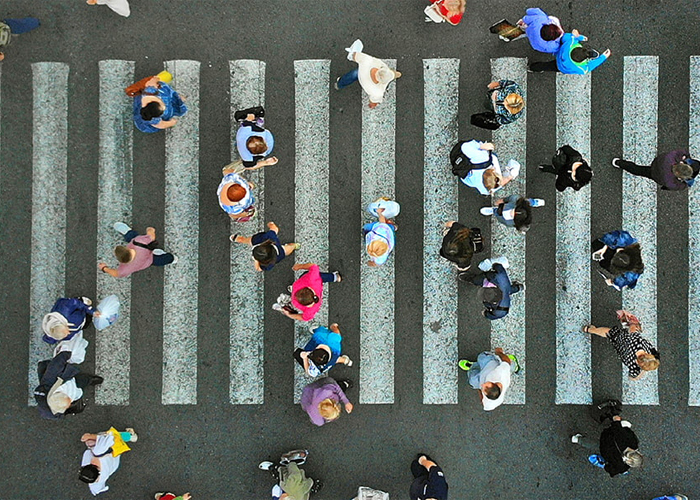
[[377, 363]]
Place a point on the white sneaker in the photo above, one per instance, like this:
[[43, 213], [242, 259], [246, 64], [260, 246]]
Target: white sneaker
[[575, 438], [277, 307], [134, 436], [159, 251], [121, 227], [485, 265], [502, 260], [487, 210], [537, 202], [266, 465], [614, 162], [175, 259]]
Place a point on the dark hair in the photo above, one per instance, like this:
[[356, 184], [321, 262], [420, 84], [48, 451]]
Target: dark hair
[[123, 254], [151, 110], [579, 54], [306, 296], [626, 260], [256, 145], [584, 174], [492, 391], [459, 246], [89, 473], [550, 32], [264, 252], [319, 356], [489, 296], [523, 215]]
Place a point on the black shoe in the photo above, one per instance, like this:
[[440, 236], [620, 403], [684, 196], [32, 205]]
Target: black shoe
[[317, 486], [96, 380], [345, 384]]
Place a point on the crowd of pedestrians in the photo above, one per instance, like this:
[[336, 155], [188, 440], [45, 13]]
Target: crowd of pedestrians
[[158, 106]]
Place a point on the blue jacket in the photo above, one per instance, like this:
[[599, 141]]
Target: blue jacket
[[75, 311], [621, 239], [567, 65], [323, 335], [535, 19], [499, 277]]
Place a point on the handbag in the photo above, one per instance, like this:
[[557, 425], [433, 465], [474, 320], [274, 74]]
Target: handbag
[[486, 120]]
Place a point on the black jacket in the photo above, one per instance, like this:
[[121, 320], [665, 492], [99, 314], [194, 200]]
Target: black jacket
[[565, 157], [49, 372], [613, 441]]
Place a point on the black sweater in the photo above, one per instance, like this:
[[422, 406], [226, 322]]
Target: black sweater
[[613, 441]]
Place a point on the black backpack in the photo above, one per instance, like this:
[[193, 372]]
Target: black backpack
[[462, 165]]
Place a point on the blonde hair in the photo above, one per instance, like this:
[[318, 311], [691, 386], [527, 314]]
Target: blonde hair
[[455, 6], [632, 458], [329, 409], [58, 402], [377, 248], [514, 103], [55, 325], [647, 362], [490, 179]]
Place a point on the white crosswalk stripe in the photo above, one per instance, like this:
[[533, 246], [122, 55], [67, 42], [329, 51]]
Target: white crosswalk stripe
[[312, 191]]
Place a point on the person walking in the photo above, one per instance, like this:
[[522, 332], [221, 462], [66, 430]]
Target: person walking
[[235, 195], [506, 104], [620, 258], [103, 456], [459, 245], [60, 389], [490, 375], [253, 141], [572, 57], [172, 496], [380, 236], [322, 398], [291, 482], [477, 166], [676, 496], [307, 293], [514, 211], [543, 31], [440, 11], [322, 351], [121, 7], [428, 479], [618, 447], [571, 169], [140, 253], [373, 74], [13, 27], [635, 352], [495, 287], [67, 318], [267, 249], [673, 171], [157, 106]]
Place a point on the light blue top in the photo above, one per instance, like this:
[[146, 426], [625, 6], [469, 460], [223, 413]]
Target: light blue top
[[247, 201], [536, 18], [174, 106], [383, 232], [567, 65], [244, 133]]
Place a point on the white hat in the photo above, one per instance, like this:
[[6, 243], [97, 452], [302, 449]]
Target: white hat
[[51, 322]]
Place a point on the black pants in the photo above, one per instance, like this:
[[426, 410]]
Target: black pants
[[634, 169], [550, 169], [420, 475], [539, 67]]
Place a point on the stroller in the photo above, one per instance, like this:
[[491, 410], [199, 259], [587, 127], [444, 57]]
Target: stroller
[[289, 478]]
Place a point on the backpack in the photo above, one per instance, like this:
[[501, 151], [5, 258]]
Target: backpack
[[5, 35], [462, 165]]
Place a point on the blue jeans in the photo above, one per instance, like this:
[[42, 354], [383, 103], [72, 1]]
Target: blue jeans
[[24, 25], [347, 79], [158, 260]]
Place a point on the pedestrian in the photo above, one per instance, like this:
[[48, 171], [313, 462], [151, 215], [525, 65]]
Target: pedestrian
[[102, 457], [676, 496], [572, 58], [157, 106], [495, 287], [235, 195], [543, 31], [673, 171], [60, 389], [141, 252], [635, 352], [307, 293], [267, 249], [291, 482], [380, 236], [172, 496], [322, 351], [428, 479], [121, 7], [618, 447], [67, 318], [571, 169], [13, 27], [322, 398], [506, 103], [477, 166], [440, 11], [620, 258], [373, 74], [253, 141], [490, 375], [514, 211], [459, 245]]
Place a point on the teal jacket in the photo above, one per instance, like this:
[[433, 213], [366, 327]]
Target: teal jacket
[[566, 65]]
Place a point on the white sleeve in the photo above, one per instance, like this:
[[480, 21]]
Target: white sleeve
[[104, 442], [471, 148]]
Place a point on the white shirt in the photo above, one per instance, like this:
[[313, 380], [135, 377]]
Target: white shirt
[[365, 64], [121, 7], [71, 390], [108, 463], [475, 177], [500, 374]]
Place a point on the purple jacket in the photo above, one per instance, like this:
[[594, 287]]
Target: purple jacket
[[535, 19], [661, 170], [315, 392]]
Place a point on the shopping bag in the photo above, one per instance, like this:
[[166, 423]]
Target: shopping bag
[[391, 208], [77, 346], [109, 312]]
